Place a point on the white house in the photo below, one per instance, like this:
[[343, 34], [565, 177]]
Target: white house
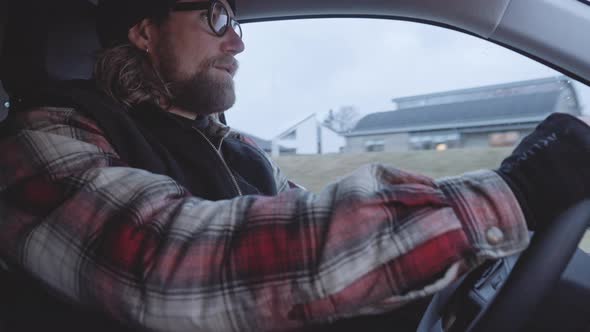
[[308, 136]]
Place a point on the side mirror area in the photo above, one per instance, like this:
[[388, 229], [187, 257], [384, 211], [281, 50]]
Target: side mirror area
[[3, 96]]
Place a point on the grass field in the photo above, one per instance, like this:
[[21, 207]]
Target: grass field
[[314, 172]]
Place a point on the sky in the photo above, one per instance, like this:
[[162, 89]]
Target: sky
[[292, 69]]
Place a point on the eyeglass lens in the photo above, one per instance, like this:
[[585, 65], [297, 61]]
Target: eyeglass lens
[[220, 19]]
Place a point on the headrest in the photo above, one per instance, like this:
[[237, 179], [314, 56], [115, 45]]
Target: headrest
[[45, 41]]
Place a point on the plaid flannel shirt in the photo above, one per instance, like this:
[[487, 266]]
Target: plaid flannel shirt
[[139, 247]]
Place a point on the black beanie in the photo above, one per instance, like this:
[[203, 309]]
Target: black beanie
[[116, 17]]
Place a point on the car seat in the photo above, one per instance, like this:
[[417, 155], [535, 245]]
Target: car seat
[[44, 42]]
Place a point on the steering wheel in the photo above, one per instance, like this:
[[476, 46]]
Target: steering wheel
[[539, 267]]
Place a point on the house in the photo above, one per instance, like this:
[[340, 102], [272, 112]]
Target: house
[[308, 136], [489, 116]]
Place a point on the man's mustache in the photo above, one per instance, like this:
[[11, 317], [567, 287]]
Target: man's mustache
[[226, 62]]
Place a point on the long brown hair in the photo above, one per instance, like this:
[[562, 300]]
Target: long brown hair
[[126, 74]]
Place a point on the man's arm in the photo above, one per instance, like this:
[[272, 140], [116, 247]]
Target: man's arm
[[137, 246]]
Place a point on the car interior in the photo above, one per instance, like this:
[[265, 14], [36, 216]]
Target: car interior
[[547, 288]]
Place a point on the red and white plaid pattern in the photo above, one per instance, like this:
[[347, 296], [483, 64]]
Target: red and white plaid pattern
[[140, 247]]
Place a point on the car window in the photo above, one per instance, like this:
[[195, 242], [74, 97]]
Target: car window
[[327, 96]]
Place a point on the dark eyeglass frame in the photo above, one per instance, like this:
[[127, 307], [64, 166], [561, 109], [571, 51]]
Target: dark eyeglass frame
[[230, 23]]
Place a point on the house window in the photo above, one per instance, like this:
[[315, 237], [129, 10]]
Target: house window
[[375, 145], [435, 141], [505, 139], [287, 151], [290, 136]]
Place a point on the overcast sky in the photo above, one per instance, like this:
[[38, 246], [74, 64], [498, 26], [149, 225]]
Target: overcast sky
[[292, 69]]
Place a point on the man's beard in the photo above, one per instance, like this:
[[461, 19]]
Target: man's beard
[[202, 92]]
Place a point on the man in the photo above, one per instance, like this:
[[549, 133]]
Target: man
[[140, 204]]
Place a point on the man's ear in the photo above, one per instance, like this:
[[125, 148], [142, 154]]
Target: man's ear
[[143, 35]]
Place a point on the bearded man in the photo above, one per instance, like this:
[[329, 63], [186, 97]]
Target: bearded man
[[127, 197]]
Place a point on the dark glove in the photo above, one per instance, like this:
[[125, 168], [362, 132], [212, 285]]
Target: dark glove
[[549, 171]]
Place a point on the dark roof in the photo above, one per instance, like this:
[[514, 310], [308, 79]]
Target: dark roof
[[505, 110], [528, 83]]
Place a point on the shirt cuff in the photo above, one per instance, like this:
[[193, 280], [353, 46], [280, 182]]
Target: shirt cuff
[[491, 216]]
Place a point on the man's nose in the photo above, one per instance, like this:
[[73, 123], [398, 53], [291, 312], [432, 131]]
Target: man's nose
[[232, 43]]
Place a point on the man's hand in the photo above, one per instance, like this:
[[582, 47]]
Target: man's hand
[[549, 171]]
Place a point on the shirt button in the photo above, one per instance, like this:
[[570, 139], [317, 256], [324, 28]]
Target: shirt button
[[494, 235]]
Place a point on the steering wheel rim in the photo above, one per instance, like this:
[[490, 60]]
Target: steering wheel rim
[[539, 267]]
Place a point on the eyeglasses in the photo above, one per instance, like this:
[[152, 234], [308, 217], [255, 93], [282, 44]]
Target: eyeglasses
[[217, 14]]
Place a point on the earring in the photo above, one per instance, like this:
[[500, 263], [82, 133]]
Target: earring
[[147, 50]]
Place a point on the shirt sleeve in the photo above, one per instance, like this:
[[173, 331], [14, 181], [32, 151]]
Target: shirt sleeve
[[137, 246]]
